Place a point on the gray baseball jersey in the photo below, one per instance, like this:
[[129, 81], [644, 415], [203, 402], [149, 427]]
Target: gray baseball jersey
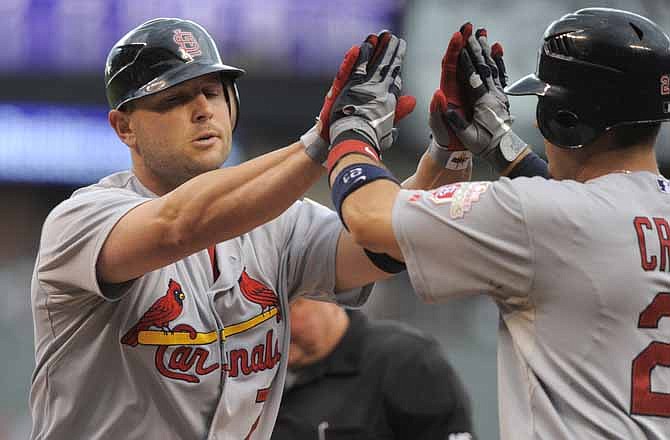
[[174, 354], [580, 275]]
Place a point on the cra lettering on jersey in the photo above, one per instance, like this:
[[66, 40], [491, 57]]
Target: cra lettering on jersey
[[181, 350], [461, 196]]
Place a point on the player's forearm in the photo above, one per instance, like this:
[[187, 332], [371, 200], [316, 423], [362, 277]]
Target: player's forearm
[[430, 174], [353, 266], [248, 170], [367, 212], [208, 209], [227, 203]]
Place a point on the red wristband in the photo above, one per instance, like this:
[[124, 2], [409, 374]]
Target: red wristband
[[347, 147]]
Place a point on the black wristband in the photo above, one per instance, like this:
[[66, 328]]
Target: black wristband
[[385, 262], [530, 166], [353, 177]]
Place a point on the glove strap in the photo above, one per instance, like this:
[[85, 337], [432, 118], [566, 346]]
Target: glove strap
[[357, 127], [509, 148], [315, 147]]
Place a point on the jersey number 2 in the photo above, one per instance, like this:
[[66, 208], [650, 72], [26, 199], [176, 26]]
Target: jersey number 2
[[644, 401]]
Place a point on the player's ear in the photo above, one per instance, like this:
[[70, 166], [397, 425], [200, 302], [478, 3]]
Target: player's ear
[[120, 122]]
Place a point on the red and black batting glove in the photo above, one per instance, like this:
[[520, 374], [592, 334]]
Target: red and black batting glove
[[445, 147], [489, 64], [487, 133], [317, 139], [364, 113]]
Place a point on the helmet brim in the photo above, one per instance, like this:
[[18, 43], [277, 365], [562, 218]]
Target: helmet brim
[[528, 85], [178, 76]]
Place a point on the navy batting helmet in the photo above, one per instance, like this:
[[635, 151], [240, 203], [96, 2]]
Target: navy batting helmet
[[598, 68], [161, 53]]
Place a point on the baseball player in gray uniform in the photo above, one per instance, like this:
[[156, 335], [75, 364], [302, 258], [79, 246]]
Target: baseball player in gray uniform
[[578, 265], [160, 294]]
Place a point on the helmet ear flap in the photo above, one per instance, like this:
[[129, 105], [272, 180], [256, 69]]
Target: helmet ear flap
[[564, 125], [567, 119], [233, 99]]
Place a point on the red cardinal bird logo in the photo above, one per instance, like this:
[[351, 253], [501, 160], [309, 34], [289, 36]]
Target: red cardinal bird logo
[[166, 308], [258, 293]]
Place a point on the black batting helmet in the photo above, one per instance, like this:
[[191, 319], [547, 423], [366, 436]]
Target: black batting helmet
[[161, 53], [598, 68]]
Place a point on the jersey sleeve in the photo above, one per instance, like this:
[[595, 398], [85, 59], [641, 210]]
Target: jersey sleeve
[[463, 239], [73, 235], [310, 255]]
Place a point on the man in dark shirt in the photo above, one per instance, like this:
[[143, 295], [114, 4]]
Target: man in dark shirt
[[353, 378]]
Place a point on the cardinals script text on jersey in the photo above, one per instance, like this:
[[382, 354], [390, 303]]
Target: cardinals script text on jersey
[[181, 351]]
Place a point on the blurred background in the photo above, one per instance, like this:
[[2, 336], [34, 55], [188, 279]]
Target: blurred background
[[54, 135]]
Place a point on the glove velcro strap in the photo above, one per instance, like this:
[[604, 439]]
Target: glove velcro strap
[[349, 146], [357, 125], [508, 149], [315, 147], [385, 262], [352, 178]]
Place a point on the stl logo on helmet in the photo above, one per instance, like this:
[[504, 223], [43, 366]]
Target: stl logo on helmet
[[187, 42]]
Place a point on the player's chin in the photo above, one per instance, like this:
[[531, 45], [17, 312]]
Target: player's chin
[[213, 157]]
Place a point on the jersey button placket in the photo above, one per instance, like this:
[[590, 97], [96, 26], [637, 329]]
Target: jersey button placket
[[221, 340]]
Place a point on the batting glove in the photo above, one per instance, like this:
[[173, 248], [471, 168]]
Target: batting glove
[[489, 133], [364, 92], [445, 147], [364, 99], [370, 104]]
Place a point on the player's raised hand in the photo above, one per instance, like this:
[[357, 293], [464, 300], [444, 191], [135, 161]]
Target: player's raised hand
[[370, 103], [445, 148], [364, 97], [487, 133]]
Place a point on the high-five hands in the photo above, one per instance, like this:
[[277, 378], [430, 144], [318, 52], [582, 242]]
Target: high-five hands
[[364, 101]]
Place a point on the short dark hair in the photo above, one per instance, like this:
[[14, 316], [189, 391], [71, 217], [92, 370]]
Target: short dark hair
[[128, 107], [630, 134]]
